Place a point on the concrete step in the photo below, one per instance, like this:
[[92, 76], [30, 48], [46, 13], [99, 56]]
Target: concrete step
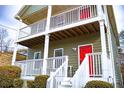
[[28, 77], [67, 79], [66, 83]]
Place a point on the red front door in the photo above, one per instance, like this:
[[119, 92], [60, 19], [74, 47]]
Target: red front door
[[83, 50]]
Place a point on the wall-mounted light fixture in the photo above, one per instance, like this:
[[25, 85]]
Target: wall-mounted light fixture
[[74, 49]]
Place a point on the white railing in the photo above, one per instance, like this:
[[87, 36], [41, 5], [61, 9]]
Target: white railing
[[74, 15], [95, 64], [33, 29], [54, 63], [81, 75], [65, 18], [58, 76], [90, 68], [30, 67], [35, 66]]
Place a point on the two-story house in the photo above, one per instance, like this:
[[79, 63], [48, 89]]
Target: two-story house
[[60, 38]]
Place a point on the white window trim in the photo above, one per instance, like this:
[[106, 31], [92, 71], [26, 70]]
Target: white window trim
[[59, 49], [36, 53], [36, 59]]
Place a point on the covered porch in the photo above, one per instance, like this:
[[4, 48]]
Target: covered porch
[[69, 41]]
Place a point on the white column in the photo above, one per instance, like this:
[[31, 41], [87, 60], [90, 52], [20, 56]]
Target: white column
[[48, 17], [14, 54], [46, 45], [104, 50], [99, 11], [46, 49]]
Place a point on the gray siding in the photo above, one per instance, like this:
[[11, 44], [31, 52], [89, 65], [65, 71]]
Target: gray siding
[[36, 48], [70, 43], [116, 64]]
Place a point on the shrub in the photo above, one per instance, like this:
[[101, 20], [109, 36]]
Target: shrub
[[5, 82], [8, 74], [30, 84], [18, 83], [98, 84], [40, 81]]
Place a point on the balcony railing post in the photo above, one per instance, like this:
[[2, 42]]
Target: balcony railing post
[[66, 66]]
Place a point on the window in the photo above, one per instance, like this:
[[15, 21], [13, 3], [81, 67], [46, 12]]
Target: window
[[58, 52], [37, 55], [37, 63]]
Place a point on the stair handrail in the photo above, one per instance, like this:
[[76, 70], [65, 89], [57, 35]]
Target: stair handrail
[[60, 72], [77, 81], [84, 70]]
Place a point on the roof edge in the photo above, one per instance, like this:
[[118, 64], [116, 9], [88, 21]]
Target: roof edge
[[21, 11]]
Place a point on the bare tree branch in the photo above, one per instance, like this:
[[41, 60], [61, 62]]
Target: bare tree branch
[[4, 43]]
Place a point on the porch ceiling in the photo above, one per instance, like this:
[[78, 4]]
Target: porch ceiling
[[42, 13], [32, 42], [36, 16], [67, 33], [76, 31]]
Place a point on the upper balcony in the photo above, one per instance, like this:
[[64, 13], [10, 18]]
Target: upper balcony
[[71, 16]]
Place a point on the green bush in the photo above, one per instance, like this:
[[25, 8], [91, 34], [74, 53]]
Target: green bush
[[98, 84], [8, 74], [40, 81], [18, 83], [30, 84], [6, 82]]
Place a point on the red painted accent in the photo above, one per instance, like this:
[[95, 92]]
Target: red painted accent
[[91, 70], [85, 13], [83, 51]]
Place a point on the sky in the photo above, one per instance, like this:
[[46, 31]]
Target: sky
[[119, 12], [7, 13]]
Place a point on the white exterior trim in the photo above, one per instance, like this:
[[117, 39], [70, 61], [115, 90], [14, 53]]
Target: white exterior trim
[[110, 47], [35, 62], [79, 51], [105, 62], [59, 49]]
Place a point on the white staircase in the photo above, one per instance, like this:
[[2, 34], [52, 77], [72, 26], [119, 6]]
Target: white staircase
[[55, 79], [90, 69], [82, 75]]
